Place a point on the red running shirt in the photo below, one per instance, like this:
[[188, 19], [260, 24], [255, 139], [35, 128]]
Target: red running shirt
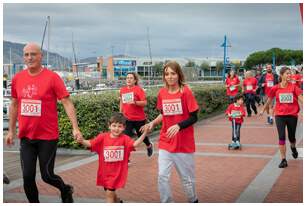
[[132, 111], [234, 109], [232, 90], [296, 79], [37, 103], [250, 85], [113, 159], [286, 99], [176, 108], [269, 83]]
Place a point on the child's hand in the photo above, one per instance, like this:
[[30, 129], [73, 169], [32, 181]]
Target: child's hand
[[80, 140]]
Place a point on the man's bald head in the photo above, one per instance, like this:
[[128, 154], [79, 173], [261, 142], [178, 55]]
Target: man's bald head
[[33, 46], [32, 56]]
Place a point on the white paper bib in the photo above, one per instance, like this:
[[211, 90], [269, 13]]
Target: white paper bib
[[172, 107], [30, 107]]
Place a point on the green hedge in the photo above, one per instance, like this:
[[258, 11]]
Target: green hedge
[[93, 111]]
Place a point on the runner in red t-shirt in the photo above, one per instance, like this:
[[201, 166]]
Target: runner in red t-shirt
[[296, 78], [35, 92], [235, 113], [232, 85], [178, 108], [286, 112], [132, 103], [266, 82], [113, 148], [249, 89]]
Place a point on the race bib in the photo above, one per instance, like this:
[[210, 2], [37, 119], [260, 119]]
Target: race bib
[[249, 87], [270, 84], [30, 107], [235, 113], [113, 153], [127, 97], [232, 88], [286, 98], [172, 107]]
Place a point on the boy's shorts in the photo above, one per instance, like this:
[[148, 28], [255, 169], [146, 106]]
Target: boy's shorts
[[113, 190]]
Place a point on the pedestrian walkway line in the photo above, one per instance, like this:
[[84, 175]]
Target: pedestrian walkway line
[[49, 198], [219, 154], [244, 145], [229, 127], [62, 168], [262, 184]]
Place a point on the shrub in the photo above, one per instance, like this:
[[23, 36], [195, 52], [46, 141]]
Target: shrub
[[94, 110]]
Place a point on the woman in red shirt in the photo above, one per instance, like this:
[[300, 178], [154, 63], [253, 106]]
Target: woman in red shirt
[[178, 108], [296, 78], [286, 112], [249, 89], [232, 83], [132, 103]]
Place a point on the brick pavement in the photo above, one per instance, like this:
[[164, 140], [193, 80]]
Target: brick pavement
[[221, 175]]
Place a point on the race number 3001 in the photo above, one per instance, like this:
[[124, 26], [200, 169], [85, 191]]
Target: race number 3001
[[286, 98], [172, 107], [30, 107], [113, 153]]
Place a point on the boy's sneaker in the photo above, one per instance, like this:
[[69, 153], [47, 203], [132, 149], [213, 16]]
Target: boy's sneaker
[[271, 120], [283, 164], [6, 180], [66, 195], [150, 150], [295, 153], [196, 201], [238, 143]]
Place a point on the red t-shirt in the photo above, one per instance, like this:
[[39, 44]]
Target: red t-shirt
[[286, 99], [113, 159], [232, 90], [132, 111], [296, 79], [37, 103], [269, 83], [176, 108], [250, 85], [234, 109]]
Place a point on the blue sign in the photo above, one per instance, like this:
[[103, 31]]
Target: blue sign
[[125, 63]]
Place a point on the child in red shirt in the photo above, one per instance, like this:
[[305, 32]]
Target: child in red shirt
[[235, 113], [113, 148]]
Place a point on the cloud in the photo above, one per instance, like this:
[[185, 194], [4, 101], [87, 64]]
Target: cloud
[[184, 30]]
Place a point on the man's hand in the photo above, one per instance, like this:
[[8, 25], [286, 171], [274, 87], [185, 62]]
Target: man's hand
[[77, 133], [173, 130], [9, 139]]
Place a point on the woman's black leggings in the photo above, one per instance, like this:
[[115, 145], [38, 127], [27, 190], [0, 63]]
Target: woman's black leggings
[[131, 125], [281, 123], [45, 150], [250, 102]]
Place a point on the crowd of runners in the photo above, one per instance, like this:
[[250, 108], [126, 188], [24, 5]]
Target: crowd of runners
[[35, 92]]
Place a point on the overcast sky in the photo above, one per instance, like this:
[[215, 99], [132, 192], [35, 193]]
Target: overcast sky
[[175, 30]]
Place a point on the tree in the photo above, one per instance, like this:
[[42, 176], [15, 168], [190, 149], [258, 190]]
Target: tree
[[190, 64], [219, 66], [285, 56], [204, 66], [158, 68]]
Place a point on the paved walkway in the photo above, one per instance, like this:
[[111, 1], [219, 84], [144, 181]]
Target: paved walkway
[[247, 175]]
